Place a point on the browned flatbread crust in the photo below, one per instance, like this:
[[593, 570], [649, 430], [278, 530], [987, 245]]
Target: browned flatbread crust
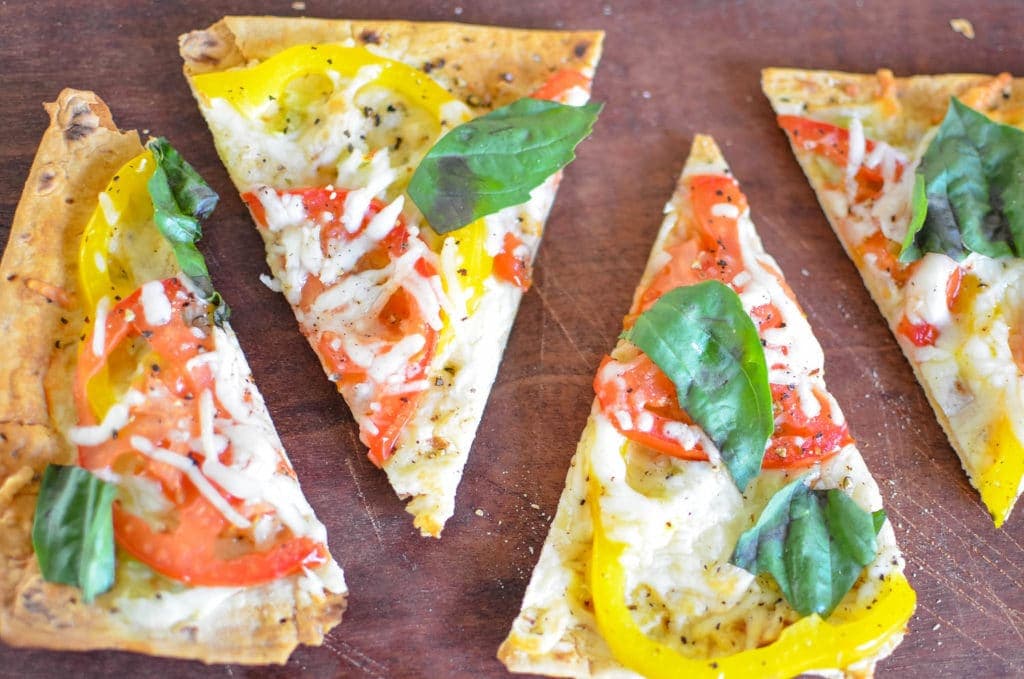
[[41, 322], [485, 66]]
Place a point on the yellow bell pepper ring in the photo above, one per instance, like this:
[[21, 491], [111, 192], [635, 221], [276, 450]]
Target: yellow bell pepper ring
[[250, 88], [810, 643], [999, 481], [103, 272]]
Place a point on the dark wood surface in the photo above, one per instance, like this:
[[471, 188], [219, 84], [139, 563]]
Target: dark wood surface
[[421, 607]]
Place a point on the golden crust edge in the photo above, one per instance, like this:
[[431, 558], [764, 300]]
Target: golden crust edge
[[79, 152], [487, 65], [926, 95], [781, 83]]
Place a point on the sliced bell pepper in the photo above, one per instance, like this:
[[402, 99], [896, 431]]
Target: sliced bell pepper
[[810, 643], [998, 482], [249, 88], [103, 273], [106, 271]]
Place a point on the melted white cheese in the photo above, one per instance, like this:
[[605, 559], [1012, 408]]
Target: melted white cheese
[[155, 306], [116, 418], [99, 332]]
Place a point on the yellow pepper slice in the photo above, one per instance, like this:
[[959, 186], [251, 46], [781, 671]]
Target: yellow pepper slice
[[999, 482], [250, 88], [810, 643], [103, 273], [106, 273]]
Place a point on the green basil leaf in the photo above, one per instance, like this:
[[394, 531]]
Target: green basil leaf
[[878, 518], [73, 530], [494, 161], [815, 543], [973, 173], [181, 197], [191, 192], [703, 340], [909, 252]]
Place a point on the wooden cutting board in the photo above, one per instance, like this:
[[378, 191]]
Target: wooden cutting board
[[671, 69]]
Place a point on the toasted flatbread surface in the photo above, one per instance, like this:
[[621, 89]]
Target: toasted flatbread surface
[[484, 68], [680, 521], [970, 374], [42, 321]]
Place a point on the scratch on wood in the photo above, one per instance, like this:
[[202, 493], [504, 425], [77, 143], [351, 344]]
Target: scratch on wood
[[949, 624], [962, 536], [366, 505], [544, 380], [561, 326], [364, 663], [951, 584]]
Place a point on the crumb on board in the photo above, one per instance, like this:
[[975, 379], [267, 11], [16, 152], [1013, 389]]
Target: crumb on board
[[479, 512], [298, 6], [963, 27]]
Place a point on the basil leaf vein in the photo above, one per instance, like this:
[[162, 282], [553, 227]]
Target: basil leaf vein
[[703, 340], [73, 530], [181, 197], [814, 543], [973, 198], [494, 161]]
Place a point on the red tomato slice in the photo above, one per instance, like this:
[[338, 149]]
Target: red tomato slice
[[560, 83], [641, 401], [799, 440], [196, 545], [510, 266], [925, 334], [393, 404], [833, 142]]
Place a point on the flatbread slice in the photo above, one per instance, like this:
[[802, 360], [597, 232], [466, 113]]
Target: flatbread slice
[[638, 574], [87, 180], [321, 124], [860, 139]]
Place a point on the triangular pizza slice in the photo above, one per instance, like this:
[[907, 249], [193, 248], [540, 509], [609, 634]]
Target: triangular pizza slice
[[146, 501], [400, 175], [920, 179], [717, 519]]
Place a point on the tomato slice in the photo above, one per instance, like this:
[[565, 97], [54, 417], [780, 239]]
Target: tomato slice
[[382, 408], [800, 440], [561, 82], [833, 143], [193, 542], [641, 401], [511, 264]]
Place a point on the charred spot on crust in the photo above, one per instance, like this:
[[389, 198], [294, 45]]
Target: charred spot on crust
[[45, 182], [81, 121], [435, 64], [203, 47], [370, 37], [581, 48]]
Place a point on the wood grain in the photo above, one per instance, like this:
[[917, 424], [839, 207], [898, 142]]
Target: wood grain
[[671, 69]]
